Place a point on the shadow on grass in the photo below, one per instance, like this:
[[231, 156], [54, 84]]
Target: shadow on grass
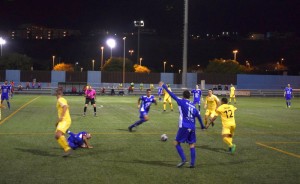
[[124, 130], [37, 152], [218, 150], [148, 162]]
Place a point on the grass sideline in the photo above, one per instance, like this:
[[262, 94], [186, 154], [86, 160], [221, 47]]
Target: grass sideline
[[267, 139]]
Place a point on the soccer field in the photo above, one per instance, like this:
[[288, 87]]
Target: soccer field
[[267, 139]]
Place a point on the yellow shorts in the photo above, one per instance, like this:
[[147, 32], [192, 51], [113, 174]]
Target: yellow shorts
[[210, 113], [63, 126], [232, 96], [228, 130], [169, 100]]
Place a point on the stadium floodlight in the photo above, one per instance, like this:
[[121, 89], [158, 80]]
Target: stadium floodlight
[[111, 43], [138, 24], [2, 42]]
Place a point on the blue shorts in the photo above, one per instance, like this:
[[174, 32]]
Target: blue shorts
[[288, 97], [4, 97], [196, 102], [142, 115], [185, 135]]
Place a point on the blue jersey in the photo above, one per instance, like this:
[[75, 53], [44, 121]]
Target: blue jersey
[[76, 140], [288, 93], [197, 95], [5, 88], [187, 110], [146, 103], [159, 91]]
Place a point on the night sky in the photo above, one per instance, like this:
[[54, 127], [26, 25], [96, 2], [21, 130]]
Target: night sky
[[163, 15]]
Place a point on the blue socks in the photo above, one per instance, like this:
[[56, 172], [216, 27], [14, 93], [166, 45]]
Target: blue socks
[[8, 105], [193, 156], [137, 123], [180, 152]]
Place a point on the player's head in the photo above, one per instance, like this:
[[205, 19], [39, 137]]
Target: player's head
[[168, 85], [88, 135], [186, 94], [224, 100], [5, 82], [209, 92], [148, 91], [197, 86], [59, 92], [289, 85]]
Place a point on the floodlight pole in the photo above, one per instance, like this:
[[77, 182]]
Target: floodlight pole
[[138, 24], [185, 45]]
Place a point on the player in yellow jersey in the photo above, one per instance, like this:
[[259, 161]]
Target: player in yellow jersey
[[232, 94], [228, 122], [63, 123], [211, 104], [167, 98]]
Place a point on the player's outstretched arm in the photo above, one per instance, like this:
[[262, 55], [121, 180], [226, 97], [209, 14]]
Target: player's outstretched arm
[[200, 120], [164, 86]]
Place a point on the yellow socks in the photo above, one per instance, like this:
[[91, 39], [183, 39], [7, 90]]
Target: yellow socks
[[62, 141], [228, 141]]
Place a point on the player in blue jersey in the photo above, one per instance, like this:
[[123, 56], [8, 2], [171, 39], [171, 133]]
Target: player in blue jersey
[[79, 140], [197, 93], [144, 103], [159, 92], [5, 93], [288, 94], [187, 125]]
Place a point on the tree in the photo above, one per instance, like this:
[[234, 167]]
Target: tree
[[227, 66], [64, 67], [116, 64], [141, 69], [16, 61]]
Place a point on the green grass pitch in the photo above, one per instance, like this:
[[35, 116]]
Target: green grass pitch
[[267, 139]]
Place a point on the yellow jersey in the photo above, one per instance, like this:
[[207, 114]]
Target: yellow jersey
[[166, 94], [232, 90], [227, 114], [59, 105], [211, 102]]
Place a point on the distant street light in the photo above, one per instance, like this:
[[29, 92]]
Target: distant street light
[[101, 58], [93, 61], [141, 61], [131, 52], [138, 24], [76, 65], [281, 61], [81, 69], [247, 64], [53, 58], [165, 66], [111, 43], [179, 71], [172, 66], [2, 42], [234, 54], [124, 38]]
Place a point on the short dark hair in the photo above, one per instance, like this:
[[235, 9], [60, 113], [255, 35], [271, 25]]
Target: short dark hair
[[186, 94], [224, 100], [59, 91], [148, 90]]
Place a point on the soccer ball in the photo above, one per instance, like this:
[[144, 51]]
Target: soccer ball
[[164, 137]]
